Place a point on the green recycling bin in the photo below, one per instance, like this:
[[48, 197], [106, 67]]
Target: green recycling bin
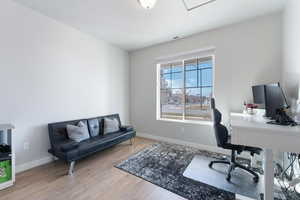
[[5, 171]]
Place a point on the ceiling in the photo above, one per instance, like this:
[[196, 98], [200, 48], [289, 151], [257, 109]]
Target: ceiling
[[126, 24]]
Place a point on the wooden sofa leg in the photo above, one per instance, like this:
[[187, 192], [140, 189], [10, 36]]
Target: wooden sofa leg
[[71, 168]]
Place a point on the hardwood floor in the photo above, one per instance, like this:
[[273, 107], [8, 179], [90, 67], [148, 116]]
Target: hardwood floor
[[95, 178]]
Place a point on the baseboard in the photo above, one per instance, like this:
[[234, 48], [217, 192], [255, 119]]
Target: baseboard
[[48, 159], [180, 142], [241, 197], [34, 163]]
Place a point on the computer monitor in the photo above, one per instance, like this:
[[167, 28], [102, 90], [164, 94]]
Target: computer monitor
[[258, 94], [270, 97], [274, 99]]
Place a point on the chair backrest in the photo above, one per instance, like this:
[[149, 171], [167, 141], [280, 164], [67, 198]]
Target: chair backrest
[[221, 132]]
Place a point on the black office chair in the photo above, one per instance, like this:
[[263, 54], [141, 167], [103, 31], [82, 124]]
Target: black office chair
[[223, 141]]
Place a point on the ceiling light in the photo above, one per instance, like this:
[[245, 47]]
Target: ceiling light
[[147, 4]]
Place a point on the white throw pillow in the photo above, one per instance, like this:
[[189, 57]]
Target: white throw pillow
[[79, 132], [111, 125]]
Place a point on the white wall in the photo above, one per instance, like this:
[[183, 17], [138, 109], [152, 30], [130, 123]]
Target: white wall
[[246, 54], [291, 47], [51, 72]]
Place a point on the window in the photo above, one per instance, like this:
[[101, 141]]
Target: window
[[186, 88]]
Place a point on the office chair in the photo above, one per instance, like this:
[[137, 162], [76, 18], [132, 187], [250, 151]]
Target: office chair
[[223, 141]]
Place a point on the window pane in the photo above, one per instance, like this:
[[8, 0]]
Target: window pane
[[165, 68], [193, 105], [191, 96], [190, 64], [206, 77], [172, 104], [177, 67], [191, 78], [205, 63], [177, 80], [165, 81], [206, 96]]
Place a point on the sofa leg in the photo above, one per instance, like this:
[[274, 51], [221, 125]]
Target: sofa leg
[[71, 168], [131, 141], [54, 158]]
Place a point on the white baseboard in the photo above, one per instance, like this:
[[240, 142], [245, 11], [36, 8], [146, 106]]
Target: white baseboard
[[241, 197], [34, 163], [180, 142], [48, 159]]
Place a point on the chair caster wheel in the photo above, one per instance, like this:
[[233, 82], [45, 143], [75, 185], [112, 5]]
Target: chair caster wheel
[[228, 178], [210, 165], [255, 179]]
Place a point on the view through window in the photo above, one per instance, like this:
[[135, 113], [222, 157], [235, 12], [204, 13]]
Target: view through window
[[186, 89]]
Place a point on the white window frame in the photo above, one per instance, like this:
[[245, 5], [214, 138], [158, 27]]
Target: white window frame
[[182, 57]]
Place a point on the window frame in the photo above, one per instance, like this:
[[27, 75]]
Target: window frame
[[158, 87]]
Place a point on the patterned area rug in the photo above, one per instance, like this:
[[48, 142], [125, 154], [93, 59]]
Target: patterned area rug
[[163, 164]]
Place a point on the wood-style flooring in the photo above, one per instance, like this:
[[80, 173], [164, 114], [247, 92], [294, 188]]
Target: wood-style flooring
[[95, 178]]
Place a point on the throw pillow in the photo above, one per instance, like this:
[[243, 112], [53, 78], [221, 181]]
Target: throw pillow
[[111, 125], [79, 132]]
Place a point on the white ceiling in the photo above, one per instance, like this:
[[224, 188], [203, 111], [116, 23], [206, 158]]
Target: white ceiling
[[126, 24]]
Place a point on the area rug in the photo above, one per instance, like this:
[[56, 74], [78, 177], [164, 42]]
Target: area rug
[[163, 164]]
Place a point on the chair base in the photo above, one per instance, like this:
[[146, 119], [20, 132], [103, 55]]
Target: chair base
[[232, 165]]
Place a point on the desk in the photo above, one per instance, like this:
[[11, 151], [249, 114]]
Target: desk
[[252, 130]]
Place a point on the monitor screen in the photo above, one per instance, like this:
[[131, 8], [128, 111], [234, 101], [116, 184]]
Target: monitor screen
[[258, 94], [274, 99]]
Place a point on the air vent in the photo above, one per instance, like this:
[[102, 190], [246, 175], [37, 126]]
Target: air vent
[[193, 4]]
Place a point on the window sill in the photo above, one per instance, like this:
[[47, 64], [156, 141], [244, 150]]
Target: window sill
[[207, 123]]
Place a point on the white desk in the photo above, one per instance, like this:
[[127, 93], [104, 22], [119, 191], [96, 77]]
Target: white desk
[[252, 130]]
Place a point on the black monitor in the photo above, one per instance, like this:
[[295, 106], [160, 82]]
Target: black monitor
[[274, 99], [271, 96], [258, 94]]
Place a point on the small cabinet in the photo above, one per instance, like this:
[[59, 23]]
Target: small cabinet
[[7, 156]]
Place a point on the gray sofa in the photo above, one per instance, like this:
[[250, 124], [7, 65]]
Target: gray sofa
[[64, 148]]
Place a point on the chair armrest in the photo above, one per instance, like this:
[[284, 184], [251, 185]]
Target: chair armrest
[[126, 128], [69, 145]]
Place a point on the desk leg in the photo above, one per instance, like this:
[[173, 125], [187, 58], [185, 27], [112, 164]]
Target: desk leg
[[269, 175]]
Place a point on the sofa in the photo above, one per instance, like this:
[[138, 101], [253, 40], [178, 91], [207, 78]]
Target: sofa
[[69, 150]]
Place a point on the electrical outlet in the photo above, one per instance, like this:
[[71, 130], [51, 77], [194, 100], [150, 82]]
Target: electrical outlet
[[26, 145]]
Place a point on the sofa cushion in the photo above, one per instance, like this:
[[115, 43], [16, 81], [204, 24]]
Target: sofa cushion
[[78, 133], [111, 125], [95, 126], [68, 146], [95, 143], [126, 128]]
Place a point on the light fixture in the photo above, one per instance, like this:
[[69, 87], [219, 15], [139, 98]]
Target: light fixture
[[147, 4]]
